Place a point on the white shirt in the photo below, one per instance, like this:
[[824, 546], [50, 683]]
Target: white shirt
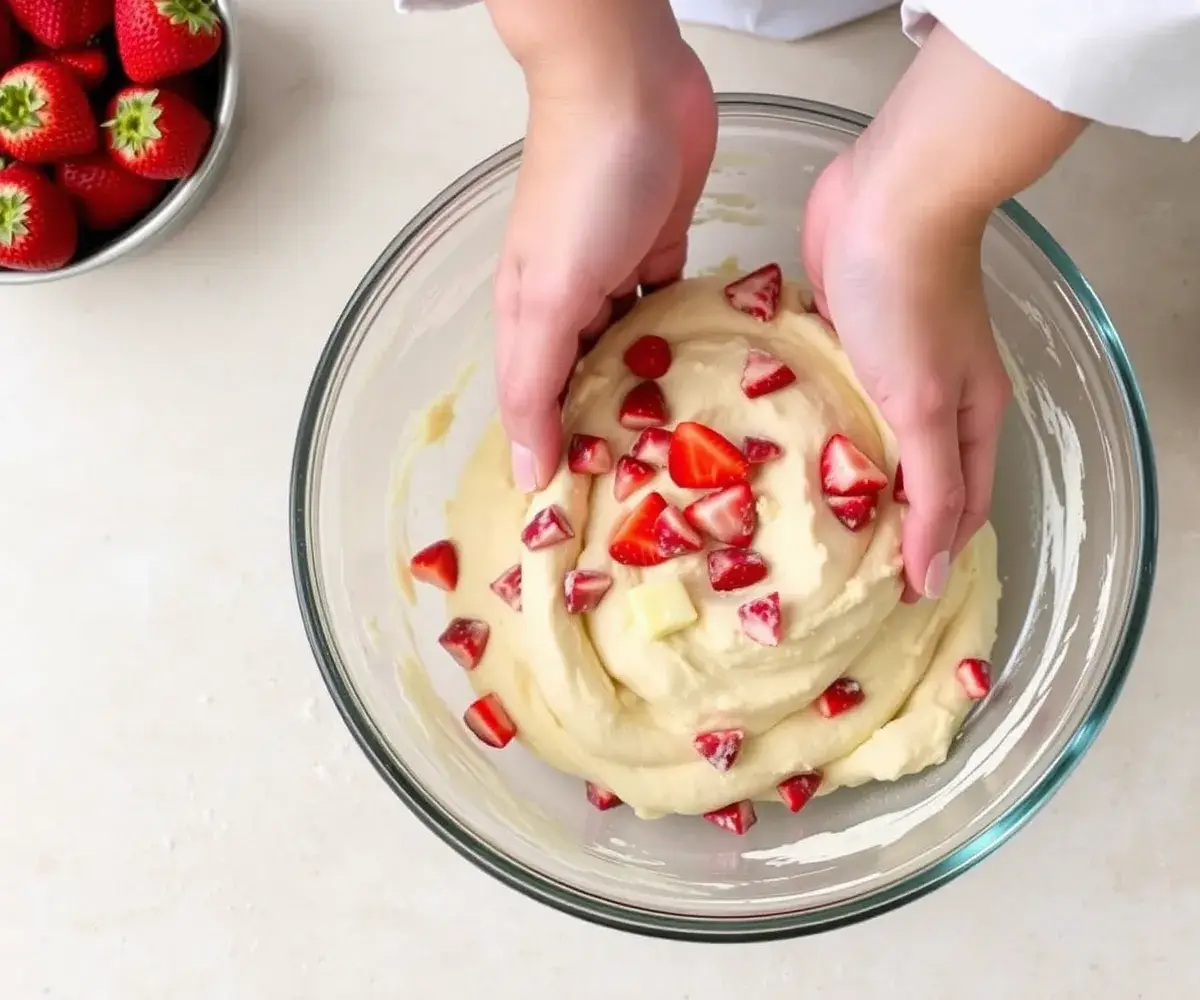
[[1130, 63]]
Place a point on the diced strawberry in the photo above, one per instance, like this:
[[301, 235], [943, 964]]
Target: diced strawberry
[[584, 589], [702, 459], [736, 817], [975, 676], [488, 719], [854, 512], [648, 357], [720, 747], [436, 564], [635, 542], [759, 450], [757, 294], [601, 797], [898, 493], [674, 536], [841, 696], [589, 455], [762, 620], [798, 789], [847, 472], [465, 639], [507, 586], [764, 373], [630, 477], [728, 515], [548, 527], [643, 406], [733, 569], [653, 446]]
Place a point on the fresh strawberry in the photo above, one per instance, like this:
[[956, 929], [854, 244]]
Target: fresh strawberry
[[38, 231], [675, 537], [162, 38], [465, 639], [760, 450], [584, 589], [436, 564], [720, 747], [89, 63], [548, 527], [487, 718], [62, 23], [643, 406], [631, 476], [764, 373], [507, 586], [701, 459], [733, 569], [757, 294], [737, 817], [601, 797], [841, 696], [898, 493], [975, 676], [728, 515], [653, 446], [799, 788], [846, 471], [156, 133], [589, 455], [648, 357], [635, 542], [854, 512], [10, 47], [106, 196], [44, 114], [762, 620]]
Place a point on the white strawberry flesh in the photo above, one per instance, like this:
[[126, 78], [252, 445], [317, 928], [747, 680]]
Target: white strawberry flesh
[[548, 527], [465, 639], [841, 696], [674, 536], [489, 720], [631, 476], [762, 620], [757, 294], [764, 373], [847, 472], [760, 450], [589, 455], [975, 676], [720, 747], [737, 817], [798, 789], [601, 797], [584, 589], [728, 515], [854, 512], [507, 586], [653, 446], [733, 569]]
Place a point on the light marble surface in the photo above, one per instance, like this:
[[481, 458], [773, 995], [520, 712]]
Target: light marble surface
[[184, 814]]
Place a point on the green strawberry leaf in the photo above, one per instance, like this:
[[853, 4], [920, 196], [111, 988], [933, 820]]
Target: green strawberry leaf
[[198, 15], [14, 215], [133, 126]]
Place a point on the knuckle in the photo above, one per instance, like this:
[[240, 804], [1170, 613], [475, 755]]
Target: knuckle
[[924, 401]]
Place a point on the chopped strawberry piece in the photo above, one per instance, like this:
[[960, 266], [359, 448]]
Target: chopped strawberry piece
[[635, 542], [507, 586], [720, 747], [798, 789], [630, 477], [589, 455], [762, 620], [898, 493], [728, 515], [643, 406], [584, 589], [648, 357], [764, 373], [548, 527], [465, 639], [601, 797], [653, 446], [733, 569], [737, 817], [674, 536], [757, 294], [489, 720], [436, 564], [841, 696], [759, 450], [975, 676], [854, 512], [701, 459], [847, 472]]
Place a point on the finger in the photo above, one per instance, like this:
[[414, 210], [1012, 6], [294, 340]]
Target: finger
[[979, 425]]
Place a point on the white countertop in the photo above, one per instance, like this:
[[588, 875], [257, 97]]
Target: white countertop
[[186, 817]]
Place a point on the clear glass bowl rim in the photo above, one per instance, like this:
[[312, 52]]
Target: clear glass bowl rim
[[585, 905]]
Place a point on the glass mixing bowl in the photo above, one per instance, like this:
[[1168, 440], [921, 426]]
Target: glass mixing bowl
[[1075, 512]]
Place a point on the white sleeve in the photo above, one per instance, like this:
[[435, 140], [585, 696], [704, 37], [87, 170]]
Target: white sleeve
[[407, 6], [1130, 63]]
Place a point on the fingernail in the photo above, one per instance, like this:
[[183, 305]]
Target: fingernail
[[937, 575], [524, 468]]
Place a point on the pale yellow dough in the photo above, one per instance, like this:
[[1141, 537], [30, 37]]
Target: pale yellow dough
[[593, 696]]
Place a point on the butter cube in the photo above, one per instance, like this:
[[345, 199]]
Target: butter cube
[[661, 607]]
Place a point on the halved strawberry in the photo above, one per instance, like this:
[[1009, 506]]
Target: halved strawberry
[[653, 446], [975, 676], [854, 512], [643, 406], [601, 797], [548, 527], [757, 294], [648, 357], [489, 720], [759, 450], [728, 515], [675, 537], [841, 696], [589, 455], [630, 477], [720, 747], [584, 589], [700, 458], [737, 817], [764, 373], [436, 564], [507, 586], [733, 569], [762, 620], [847, 472], [465, 639], [898, 493], [635, 542], [798, 789]]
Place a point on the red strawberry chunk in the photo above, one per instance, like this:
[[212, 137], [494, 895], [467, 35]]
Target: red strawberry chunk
[[757, 294], [762, 620], [733, 569], [643, 406], [854, 512], [841, 696], [465, 639], [631, 476], [635, 542], [847, 472], [653, 446], [759, 450], [648, 357], [488, 719], [798, 789], [701, 459], [764, 373], [720, 747], [584, 589], [601, 797], [898, 493], [737, 817], [674, 536], [589, 455], [975, 676], [507, 586], [548, 527], [728, 515], [436, 564]]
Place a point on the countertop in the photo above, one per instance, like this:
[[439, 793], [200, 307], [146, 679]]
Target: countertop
[[186, 817]]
